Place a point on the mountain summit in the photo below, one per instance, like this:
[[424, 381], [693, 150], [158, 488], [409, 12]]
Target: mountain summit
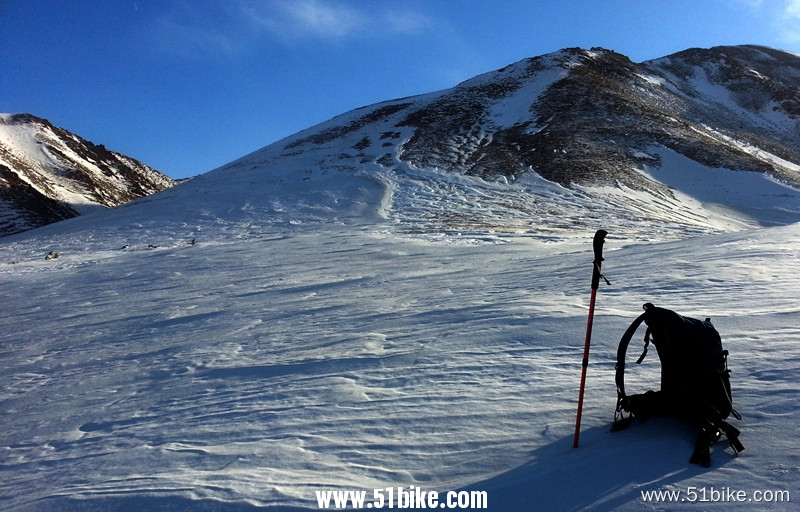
[[49, 174], [699, 141]]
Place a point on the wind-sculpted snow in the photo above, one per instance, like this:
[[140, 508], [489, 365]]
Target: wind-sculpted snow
[[263, 363]]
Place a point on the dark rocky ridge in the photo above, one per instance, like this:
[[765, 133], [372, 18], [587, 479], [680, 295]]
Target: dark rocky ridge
[[594, 124]]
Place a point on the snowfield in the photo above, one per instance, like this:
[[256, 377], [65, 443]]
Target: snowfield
[[308, 342]]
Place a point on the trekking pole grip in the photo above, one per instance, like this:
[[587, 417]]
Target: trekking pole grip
[[599, 240]]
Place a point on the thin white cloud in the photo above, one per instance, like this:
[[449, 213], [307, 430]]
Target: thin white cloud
[[302, 18], [406, 22], [789, 23], [783, 16], [199, 30], [293, 19], [192, 31]]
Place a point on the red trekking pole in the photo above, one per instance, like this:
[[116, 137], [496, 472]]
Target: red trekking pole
[[599, 239]]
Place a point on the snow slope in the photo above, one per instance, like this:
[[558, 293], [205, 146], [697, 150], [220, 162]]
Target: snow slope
[[307, 342]]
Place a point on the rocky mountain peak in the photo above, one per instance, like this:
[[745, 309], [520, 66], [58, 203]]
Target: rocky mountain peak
[[49, 174], [588, 117], [579, 119]]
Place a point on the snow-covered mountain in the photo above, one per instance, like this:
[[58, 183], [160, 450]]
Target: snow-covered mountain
[[396, 301], [697, 142], [48, 174]]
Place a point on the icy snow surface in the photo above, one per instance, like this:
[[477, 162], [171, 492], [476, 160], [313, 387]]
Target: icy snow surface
[[304, 343]]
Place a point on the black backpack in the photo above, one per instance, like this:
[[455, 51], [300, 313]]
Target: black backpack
[[695, 380]]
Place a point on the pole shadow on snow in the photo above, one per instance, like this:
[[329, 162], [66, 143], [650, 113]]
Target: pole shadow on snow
[[605, 472]]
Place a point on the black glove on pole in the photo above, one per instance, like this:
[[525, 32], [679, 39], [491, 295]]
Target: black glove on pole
[[599, 239]]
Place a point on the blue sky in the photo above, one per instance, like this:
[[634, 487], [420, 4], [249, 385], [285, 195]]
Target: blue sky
[[187, 86]]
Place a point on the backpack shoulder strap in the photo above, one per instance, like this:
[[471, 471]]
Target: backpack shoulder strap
[[620, 421], [622, 350]]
